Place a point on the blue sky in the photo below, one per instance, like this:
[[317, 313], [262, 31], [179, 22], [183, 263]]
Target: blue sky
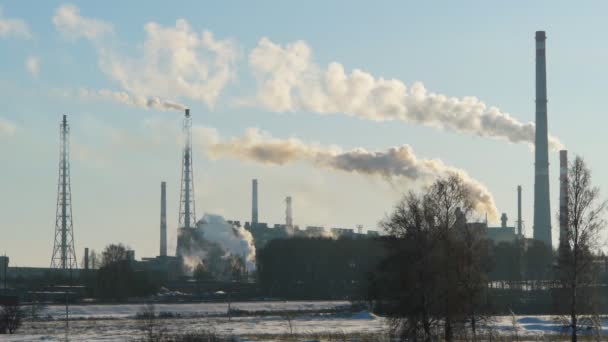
[[121, 153]]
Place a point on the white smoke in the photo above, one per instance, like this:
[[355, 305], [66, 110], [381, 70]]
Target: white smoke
[[174, 61], [7, 128], [13, 27], [131, 100], [234, 240], [398, 162], [288, 80], [70, 23]]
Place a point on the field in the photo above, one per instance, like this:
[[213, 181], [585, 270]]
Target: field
[[251, 321]]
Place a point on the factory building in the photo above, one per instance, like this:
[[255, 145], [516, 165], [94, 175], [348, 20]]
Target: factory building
[[504, 233]]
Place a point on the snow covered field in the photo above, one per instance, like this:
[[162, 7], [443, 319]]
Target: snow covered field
[[118, 323]]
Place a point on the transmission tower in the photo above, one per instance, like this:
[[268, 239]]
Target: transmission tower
[[187, 215], [64, 255]]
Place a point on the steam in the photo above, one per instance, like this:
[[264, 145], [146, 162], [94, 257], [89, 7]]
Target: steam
[[234, 240], [174, 61], [288, 80], [395, 163], [7, 128], [131, 100], [13, 27]]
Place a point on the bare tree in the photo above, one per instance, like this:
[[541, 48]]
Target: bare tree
[[114, 253], [576, 256], [11, 317], [444, 276], [450, 204], [150, 325]]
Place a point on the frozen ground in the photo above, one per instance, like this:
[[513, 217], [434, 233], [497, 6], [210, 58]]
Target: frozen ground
[[187, 310], [116, 322]]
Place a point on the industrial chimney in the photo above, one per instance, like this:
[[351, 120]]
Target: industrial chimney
[[163, 219], [563, 197], [254, 201], [542, 210], [519, 222], [288, 213], [86, 258]]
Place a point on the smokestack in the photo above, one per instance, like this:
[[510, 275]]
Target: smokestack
[[86, 258], [254, 201], [519, 222], [542, 210], [163, 219], [563, 197], [288, 213]]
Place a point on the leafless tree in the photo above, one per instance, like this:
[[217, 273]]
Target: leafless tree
[[150, 325], [585, 223], [450, 204], [11, 317], [444, 276]]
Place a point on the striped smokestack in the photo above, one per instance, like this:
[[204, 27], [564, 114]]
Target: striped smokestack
[[542, 210]]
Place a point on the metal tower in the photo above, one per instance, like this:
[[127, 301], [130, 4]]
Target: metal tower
[[187, 215], [64, 255], [542, 211]]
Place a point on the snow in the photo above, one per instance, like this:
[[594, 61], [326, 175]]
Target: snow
[[116, 322], [98, 311]]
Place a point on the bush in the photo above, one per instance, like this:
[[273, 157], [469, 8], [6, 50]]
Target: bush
[[11, 317]]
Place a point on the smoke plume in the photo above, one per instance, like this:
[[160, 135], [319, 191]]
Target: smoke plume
[[174, 61], [131, 100], [234, 240], [288, 80], [395, 163], [7, 128]]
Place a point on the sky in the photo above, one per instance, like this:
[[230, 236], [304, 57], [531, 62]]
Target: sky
[[344, 106]]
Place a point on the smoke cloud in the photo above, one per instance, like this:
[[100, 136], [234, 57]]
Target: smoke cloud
[[288, 80], [7, 128], [70, 23], [395, 163], [131, 100], [234, 240], [172, 62], [13, 27], [32, 65]]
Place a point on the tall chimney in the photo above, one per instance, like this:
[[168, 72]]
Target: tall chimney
[[254, 201], [519, 222], [563, 197], [86, 258], [163, 219], [542, 210], [288, 213]]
